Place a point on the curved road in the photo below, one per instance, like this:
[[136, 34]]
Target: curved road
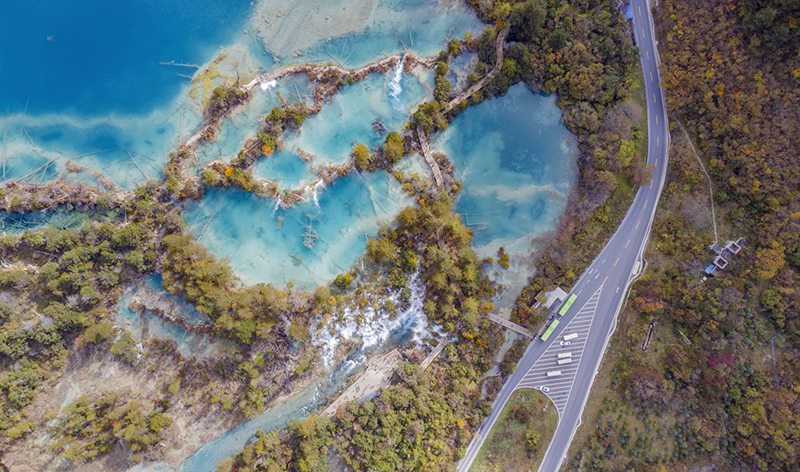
[[602, 288]]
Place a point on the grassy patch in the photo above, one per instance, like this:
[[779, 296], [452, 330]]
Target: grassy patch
[[520, 437]]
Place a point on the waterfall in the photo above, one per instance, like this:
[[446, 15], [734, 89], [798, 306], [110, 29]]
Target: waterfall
[[278, 205], [271, 84], [375, 326], [315, 191], [395, 88]]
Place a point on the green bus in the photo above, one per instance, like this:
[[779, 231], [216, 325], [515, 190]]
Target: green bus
[[549, 330], [564, 309]]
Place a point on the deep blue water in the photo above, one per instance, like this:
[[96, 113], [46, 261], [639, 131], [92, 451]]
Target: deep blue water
[[103, 56]]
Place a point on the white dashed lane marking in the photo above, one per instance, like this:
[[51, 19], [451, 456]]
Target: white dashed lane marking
[[560, 386]]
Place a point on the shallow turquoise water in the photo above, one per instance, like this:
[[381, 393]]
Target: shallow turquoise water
[[243, 124], [17, 223], [348, 118], [128, 150], [516, 159], [517, 162], [285, 168], [147, 325], [265, 244], [460, 67], [420, 26], [27, 167]]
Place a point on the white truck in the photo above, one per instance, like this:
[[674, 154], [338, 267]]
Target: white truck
[[563, 355], [569, 337], [554, 373], [564, 361]]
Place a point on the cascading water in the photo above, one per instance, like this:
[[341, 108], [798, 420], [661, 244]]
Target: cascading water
[[373, 327], [278, 205], [315, 191], [395, 85], [268, 85]]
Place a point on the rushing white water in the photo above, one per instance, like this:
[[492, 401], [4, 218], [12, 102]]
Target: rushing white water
[[278, 205], [314, 190], [374, 326], [268, 85], [395, 85]]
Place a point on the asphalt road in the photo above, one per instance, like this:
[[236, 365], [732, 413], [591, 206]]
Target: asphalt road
[[611, 273]]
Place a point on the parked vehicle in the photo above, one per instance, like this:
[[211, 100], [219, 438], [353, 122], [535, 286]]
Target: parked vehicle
[[549, 330]]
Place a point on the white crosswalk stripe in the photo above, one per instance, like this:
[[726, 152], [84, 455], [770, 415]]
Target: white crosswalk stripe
[[559, 387]]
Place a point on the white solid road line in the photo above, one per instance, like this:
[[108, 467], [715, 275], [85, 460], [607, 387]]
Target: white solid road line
[[562, 397]]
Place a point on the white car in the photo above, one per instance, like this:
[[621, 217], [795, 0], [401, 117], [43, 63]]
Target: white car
[[544, 389], [564, 343]]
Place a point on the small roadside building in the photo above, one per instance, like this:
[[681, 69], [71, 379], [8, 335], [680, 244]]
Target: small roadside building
[[729, 249], [550, 299]]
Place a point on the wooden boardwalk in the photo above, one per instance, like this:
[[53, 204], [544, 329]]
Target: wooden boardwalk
[[436, 351], [498, 47], [426, 153], [511, 325]]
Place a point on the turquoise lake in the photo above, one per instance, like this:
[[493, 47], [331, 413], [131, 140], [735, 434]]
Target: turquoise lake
[[517, 162], [348, 118], [87, 88], [285, 168], [147, 325], [516, 159], [264, 243]]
